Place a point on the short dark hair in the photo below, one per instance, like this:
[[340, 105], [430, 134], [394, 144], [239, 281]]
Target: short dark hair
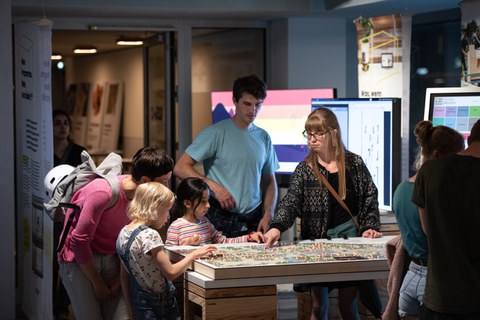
[[250, 84], [151, 162]]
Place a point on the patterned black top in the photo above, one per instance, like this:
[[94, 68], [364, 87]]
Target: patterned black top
[[307, 201]]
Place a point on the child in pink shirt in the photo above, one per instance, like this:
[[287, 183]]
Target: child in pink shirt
[[193, 228]]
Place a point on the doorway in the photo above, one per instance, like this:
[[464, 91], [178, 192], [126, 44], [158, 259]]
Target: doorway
[[142, 76]]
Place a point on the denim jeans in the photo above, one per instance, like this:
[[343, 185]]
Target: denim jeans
[[148, 305], [84, 302], [233, 224], [151, 306], [410, 298]]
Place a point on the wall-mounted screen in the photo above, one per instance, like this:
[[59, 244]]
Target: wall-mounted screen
[[283, 116], [458, 108], [370, 127]]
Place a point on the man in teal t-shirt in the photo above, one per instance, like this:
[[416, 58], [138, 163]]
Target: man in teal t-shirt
[[238, 158]]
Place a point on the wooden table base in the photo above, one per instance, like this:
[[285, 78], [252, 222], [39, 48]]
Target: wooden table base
[[231, 303]]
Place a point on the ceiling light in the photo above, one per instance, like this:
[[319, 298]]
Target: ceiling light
[[343, 4], [84, 50], [56, 56], [129, 42]]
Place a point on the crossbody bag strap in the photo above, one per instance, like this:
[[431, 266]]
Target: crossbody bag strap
[[335, 194], [342, 203]]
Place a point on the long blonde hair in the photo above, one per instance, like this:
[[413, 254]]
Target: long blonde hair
[[147, 200], [321, 120]]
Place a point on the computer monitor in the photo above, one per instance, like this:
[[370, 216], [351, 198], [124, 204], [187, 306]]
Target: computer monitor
[[458, 108], [283, 116], [370, 127]]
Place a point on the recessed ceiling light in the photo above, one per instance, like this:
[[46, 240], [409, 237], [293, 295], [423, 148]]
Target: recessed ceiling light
[[56, 57], [129, 42], [84, 50]]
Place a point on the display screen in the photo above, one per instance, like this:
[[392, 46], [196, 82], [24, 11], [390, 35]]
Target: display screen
[[283, 116], [370, 127], [458, 108]]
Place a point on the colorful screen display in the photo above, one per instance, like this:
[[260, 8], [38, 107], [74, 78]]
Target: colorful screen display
[[458, 108]]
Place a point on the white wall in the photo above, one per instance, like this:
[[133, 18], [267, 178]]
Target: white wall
[[7, 169], [126, 66]]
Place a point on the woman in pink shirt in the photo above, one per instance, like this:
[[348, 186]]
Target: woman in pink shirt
[[89, 265]]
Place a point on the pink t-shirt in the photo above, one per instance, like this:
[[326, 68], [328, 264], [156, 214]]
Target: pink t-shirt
[[181, 230], [96, 228]]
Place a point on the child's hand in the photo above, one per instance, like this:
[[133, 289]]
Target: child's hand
[[256, 237], [200, 252], [194, 240]]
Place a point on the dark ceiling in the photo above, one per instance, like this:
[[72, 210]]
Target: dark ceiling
[[170, 12]]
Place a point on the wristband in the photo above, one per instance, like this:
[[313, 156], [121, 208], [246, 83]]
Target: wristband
[[249, 237]]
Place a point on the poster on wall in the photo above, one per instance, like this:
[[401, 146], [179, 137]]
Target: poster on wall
[[34, 141], [112, 116], [95, 112], [470, 43], [77, 106], [383, 46], [380, 56]]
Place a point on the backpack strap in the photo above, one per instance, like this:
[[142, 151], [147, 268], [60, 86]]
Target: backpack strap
[[68, 224], [110, 169]]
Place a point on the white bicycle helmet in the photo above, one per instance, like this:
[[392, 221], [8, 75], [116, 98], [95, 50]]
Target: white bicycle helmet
[[54, 176]]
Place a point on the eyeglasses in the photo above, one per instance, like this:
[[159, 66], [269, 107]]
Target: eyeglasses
[[316, 135]]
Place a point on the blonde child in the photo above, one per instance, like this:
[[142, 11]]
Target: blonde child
[[148, 285], [192, 227]]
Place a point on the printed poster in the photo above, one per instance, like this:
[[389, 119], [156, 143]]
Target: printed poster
[[95, 113], [34, 140], [383, 45], [380, 56], [112, 117], [77, 106], [470, 43]]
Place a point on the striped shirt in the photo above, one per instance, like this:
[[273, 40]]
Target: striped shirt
[[181, 229]]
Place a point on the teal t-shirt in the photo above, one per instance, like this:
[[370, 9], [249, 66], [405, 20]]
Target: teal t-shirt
[[408, 221], [236, 158]]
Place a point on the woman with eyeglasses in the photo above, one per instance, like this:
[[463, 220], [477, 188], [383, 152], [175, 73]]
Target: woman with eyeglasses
[[321, 214]]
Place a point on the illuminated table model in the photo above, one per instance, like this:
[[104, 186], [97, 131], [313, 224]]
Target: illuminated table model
[[239, 281]]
